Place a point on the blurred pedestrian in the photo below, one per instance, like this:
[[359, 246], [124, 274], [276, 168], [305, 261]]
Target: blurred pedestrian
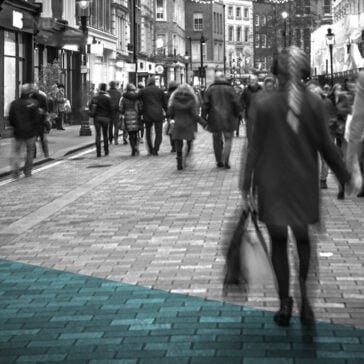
[[221, 110], [154, 106], [61, 107], [44, 123], [340, 100], [115, 95], [268, 85], [130, 108], [290, 128], [172, 86], [182, 109], [24, 117], [239, 92], [101, 107], [247, 100], [355, 148]]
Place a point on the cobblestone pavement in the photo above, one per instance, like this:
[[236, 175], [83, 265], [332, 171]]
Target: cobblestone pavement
[[140, 221]]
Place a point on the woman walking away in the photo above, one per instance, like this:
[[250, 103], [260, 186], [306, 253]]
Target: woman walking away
[[182, 108], [290, 128], [130, 109]]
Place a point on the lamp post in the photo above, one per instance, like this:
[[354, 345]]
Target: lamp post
[[187, 61], [330, 41], [284, 16], [202, 42], [83, 12]]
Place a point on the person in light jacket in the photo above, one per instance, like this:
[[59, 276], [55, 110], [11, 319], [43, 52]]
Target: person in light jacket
[[290, 128]]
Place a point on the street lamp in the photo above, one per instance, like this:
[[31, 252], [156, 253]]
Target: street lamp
[[284, 16], [330, 41], [187, 61], [84, 13], [202, 41]]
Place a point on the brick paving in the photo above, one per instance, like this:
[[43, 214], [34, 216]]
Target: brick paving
[[139, 221]]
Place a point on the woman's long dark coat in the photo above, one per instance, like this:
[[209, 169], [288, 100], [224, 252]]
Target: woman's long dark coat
[[285, 163]]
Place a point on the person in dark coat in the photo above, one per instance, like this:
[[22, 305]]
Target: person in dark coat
[[115, 95], [44, 123], [130, 110], [24, 117], [221, 110], [290, 128], [102, 107], [154, 107], [182, 109], [172, 86], [247, 100]]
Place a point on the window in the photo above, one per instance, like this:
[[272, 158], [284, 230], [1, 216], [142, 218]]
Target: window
[[102, 15], [257, 41], [230, 33], [215, 23], [238, 34], [263, 20], [198, 22], [327, 7], [298, 37], [246, 13], [238, 12], [264, 40], [246, 34], [257, 20], [230, 12], [160, 10]]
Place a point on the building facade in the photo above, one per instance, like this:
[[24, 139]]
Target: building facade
[[205, 33], [348, 49], [239, 39], [18, 21], [170, 41]]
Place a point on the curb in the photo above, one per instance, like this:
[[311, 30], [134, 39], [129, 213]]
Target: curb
[[50, 159]]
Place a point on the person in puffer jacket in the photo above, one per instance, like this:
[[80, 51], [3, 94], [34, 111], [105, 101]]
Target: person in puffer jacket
[[130, 109]]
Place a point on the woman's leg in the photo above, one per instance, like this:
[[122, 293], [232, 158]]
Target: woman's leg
[[304, 253], [279, 236], [179, 148]]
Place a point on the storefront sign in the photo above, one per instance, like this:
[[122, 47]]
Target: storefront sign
[[130, 67], [17, 19], [97, 49]]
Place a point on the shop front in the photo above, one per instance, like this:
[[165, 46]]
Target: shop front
[[18, 21]]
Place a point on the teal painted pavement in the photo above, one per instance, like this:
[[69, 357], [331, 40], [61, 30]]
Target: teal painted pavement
[[52, 316]]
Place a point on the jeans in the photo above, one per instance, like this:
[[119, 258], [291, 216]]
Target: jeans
[[114, 128], [104, 125], [44, 143], [158, 130], [16, 155], [222, 152], [179, 151], [133, 139]]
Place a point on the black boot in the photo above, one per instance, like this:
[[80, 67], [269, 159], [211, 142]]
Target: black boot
[[283, 316], [98, 151], [306, 313], [179, 163], [341, 193]]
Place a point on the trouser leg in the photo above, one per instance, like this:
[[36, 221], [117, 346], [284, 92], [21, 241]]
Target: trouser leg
[[148, 136], [158, 128], [228, 137], [105, 137], [218, 146], [30, 144], [179, 153], [97, 137], [15, 156], [279, 236]]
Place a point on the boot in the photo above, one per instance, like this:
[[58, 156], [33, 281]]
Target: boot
[[341, 194], [98, 151], [306, 312], [179, 163], [283, 316]]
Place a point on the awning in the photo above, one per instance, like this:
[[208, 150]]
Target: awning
[[57, 34]]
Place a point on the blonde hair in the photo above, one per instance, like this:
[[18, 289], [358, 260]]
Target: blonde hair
[[185, 88]]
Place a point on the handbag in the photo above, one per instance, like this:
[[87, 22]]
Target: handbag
[[247, 261]]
